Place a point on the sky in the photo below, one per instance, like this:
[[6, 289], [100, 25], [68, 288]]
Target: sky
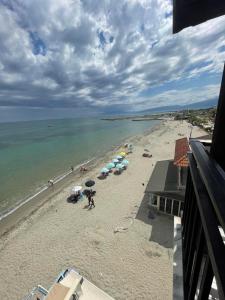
[[64, 58]]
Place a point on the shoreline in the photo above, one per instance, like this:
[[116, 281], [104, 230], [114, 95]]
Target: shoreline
[[30, 204]]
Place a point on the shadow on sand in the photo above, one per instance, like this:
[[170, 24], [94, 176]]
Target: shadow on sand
[[102, 177], [161, 226]]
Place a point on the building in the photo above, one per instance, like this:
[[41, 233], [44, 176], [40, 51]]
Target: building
[[162, 189], [166, 187]]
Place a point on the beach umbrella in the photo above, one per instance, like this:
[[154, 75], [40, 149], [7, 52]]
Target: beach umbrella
[[115, 160], [125, 162], [119, 157], [90, 183], [120, 166], [76, 189], [123, 154], [104, 170], [110, 165]]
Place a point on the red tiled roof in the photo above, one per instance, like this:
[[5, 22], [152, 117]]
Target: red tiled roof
[[181, 149]]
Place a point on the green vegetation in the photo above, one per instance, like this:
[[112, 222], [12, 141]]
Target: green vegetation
[[204, 118]]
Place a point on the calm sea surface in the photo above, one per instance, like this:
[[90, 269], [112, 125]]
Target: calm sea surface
[[33, 152]]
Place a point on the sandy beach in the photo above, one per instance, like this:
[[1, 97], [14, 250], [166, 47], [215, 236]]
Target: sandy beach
[[133, 263]]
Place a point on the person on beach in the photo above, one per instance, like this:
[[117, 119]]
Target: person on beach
[[90, 201], [72, 168], [83, 169]]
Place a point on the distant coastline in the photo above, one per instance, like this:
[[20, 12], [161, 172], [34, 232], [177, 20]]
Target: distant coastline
[[138, 118]]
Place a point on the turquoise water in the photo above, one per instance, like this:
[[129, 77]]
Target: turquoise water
[[33, 152]]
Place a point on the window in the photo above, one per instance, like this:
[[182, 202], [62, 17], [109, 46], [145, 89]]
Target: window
[[175, 207], [168, 205], [153, 199], [181, 209], [162, 203]]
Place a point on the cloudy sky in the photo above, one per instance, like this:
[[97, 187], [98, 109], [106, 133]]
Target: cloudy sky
[[68, 57]]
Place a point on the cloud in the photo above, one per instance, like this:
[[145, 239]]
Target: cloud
[[101, 55], [179, 97]]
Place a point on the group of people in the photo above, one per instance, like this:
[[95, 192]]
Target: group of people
[[82, 169]]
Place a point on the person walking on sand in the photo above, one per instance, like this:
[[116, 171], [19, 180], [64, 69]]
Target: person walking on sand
[[90, 201]]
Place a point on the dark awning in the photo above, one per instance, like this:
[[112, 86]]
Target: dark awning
[[163, 181]]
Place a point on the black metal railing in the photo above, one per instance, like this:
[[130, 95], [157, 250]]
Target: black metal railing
[[203, 225]]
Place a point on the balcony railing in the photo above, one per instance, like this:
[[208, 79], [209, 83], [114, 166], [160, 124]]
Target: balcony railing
[[203, 227]]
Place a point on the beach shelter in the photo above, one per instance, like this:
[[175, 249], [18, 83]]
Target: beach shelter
[[110, 165], [104, 170]]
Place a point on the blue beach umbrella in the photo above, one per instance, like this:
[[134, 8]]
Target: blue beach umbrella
[[110, 165], [125, 162], [119, 166], [104, 170]]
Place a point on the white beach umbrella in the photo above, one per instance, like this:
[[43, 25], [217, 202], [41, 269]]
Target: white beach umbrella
[[76, 189]]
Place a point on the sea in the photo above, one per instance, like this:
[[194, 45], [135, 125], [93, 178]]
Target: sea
[[33, 152]]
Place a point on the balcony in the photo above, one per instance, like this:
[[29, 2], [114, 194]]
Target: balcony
[[203, 227]]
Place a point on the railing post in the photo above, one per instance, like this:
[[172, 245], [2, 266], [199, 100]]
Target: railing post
[[218, 138], [207, 277], [202, 242]]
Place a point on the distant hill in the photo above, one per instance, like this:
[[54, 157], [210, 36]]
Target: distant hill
[[197, 105]]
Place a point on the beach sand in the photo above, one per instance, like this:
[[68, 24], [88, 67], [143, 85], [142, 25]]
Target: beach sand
[[115, 245]]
